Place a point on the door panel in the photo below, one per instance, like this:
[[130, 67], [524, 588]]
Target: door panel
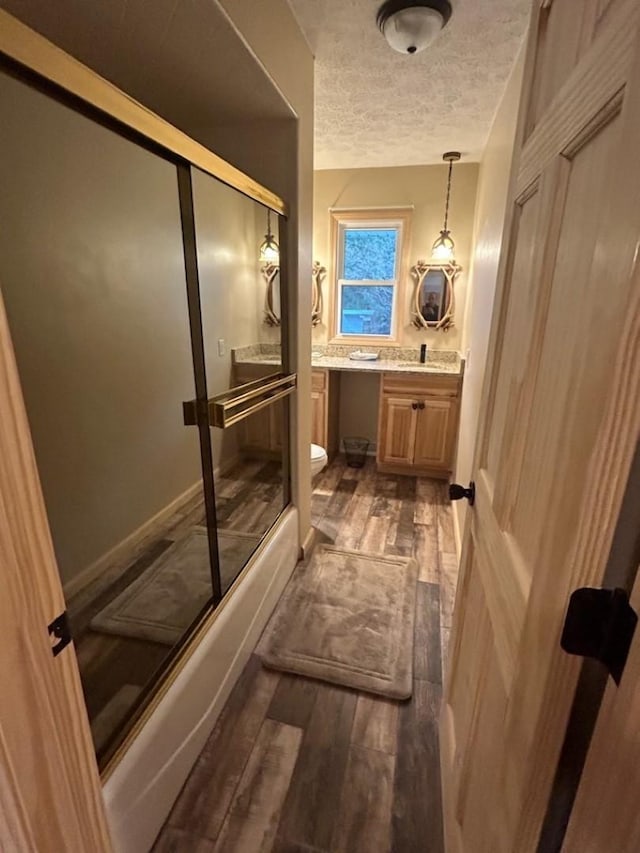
[[433, 433], [557, 436], [517, 325], [399, 419], [555, 389]]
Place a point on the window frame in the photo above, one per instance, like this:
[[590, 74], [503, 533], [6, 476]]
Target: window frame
[[390, 217]]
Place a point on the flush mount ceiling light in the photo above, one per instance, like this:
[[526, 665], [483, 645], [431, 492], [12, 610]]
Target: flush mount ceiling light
[[444, 247], [411, 25], [269, 249]]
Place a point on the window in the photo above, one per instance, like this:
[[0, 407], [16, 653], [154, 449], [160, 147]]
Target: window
[[368, 262]]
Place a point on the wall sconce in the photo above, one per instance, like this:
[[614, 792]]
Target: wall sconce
[[444, 247], [269, 249]]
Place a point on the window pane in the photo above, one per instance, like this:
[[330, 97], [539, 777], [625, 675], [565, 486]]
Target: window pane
[[366, 309], [369, 254]]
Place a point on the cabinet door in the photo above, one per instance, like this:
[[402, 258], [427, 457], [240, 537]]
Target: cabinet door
[[319, 418], [435, 433], [398, 430]]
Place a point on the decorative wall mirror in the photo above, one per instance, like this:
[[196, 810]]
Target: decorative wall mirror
[[271, 274], [433, 300], [317, 277]]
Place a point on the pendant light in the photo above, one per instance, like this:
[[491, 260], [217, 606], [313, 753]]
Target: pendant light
[[269, 249], [411, 25], [444, 247]]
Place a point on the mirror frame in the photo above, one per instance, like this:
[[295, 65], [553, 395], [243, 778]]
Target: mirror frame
[[270, 272], [318, 274], [419, 272]]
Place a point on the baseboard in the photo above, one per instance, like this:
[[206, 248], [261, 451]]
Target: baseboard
[[128, 548], [307, 545]]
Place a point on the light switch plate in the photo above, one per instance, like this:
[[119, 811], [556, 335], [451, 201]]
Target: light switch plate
[[221, 347]]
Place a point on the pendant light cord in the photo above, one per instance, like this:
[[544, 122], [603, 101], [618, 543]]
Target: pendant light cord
[[446, 206]]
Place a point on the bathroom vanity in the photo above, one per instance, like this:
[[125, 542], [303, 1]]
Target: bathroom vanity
[[417, 413]]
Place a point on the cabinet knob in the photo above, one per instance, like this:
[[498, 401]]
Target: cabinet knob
[[414, 406], [421, 406]]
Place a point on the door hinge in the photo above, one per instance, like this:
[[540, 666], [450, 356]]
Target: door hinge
[[600, 624], [59, 630]]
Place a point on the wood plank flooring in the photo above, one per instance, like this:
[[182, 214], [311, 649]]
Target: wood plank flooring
[[299, 766]]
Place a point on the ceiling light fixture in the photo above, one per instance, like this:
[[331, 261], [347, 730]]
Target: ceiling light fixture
[[269, 249], [444, 247], [411, 25]]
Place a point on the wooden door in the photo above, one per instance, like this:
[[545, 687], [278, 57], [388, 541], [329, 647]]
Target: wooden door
[[50, 794], [397, 434], [558, 425], [435, 433]]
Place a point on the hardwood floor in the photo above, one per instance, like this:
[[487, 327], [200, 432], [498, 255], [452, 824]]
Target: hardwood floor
[[299, 766]]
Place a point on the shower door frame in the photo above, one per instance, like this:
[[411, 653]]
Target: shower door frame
[[68, 777]]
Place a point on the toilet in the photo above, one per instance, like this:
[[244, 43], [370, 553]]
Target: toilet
[[319, 459]]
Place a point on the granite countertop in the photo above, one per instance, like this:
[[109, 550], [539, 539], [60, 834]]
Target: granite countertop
[[336, 357]]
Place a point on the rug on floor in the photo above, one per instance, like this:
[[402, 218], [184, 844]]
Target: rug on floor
[[163, 602], [347, 618]]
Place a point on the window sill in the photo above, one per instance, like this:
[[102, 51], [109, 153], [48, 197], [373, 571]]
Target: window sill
[[364, 340]]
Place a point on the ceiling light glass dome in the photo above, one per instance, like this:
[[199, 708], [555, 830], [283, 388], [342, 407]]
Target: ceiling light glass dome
[[410, 26]]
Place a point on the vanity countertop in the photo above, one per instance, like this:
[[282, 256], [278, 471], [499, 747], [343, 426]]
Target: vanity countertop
[[334, 357]]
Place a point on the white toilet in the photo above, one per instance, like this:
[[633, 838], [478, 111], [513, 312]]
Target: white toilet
[[319, 459]]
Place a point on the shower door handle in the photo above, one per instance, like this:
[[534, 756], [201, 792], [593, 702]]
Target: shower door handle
[[229, 408]]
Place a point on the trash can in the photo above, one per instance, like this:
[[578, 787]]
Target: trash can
[[356, 451]]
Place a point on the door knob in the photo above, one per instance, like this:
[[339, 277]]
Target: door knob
[[457, 492]]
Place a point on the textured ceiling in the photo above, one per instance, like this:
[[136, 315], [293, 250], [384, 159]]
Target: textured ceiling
[[376, 107]]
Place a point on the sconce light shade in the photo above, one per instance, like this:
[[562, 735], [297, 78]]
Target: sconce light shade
[[444, 247], [411, 25], [269, 249]]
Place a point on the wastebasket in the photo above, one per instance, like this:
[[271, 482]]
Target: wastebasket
[[356, 451]]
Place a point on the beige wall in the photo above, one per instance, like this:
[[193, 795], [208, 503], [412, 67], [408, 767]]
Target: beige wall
[[93, 280], [493, 186], [423, 187]]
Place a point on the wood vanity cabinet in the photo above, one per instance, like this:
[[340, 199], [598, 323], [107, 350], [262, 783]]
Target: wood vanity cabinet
[[325, 410], [418, 423], [260, 434]]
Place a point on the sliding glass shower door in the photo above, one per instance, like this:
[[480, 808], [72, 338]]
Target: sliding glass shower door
[[243, 360], [132, 284]]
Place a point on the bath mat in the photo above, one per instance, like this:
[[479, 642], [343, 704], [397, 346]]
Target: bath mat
[[347, 618], [163, 602]]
